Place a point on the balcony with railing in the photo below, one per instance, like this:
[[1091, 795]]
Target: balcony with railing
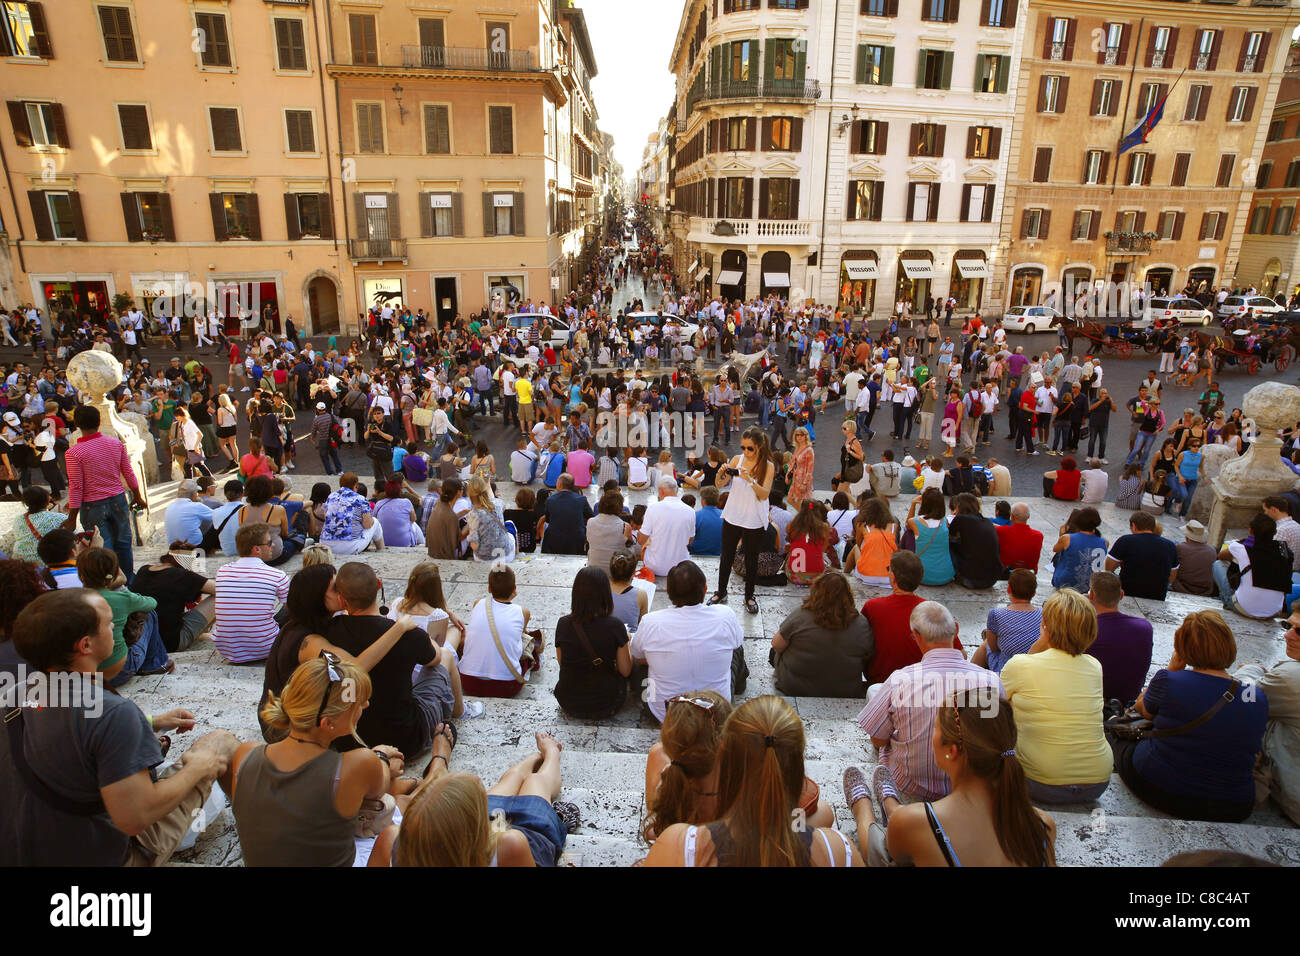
[[1111, 56], [762, 230], [1058, 50], [478, 59], [1202, 61], [756, 88], [1128, 244], [377, 250], [1158, 59]]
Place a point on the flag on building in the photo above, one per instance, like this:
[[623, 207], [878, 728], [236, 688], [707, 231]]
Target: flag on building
[[1139, 134]]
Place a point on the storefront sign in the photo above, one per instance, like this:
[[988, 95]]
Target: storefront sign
[[442, 201], [973, 268], [376, 201], [918, 268], [503, 199], [377, 293], [861, 270]]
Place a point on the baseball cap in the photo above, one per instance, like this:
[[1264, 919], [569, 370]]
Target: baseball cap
[[320, 406], [11, 418], [188, 487]]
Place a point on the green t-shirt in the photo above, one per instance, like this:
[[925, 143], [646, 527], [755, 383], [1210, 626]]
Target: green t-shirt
[[123, 604], [168, 410], [922, 374]]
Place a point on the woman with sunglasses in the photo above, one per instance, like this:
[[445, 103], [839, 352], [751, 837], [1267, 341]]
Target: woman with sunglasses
[[296, 801], [760, 790], [745, 518]]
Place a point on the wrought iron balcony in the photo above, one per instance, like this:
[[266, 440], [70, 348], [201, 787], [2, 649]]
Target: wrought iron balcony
[[1158, 59], [778, 230], [377, 250], [1058, 50], [1203, 61], [759, 88], [1128, 244], [1112, 56], [415, 57]]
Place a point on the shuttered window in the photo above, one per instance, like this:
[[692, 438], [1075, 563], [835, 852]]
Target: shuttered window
[[225, 129], [437, 129], [370, 128], [134, 121], [119, 38], [300, 134], [213, 39], [290, 44], [365, 42], [501, 133]]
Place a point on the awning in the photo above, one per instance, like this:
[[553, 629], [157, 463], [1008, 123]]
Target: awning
[[918, 268], [860, 269], [694, 267], [778, 280], [973, 268], [731, 277]]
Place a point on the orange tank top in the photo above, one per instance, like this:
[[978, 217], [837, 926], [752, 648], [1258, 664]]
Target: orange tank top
[[874, 552]]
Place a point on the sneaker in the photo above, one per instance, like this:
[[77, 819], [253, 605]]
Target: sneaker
[[1105, 461], [883, 787], [1033, 453], [855, 786]]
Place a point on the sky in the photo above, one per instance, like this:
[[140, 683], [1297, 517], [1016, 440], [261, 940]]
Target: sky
[[633, 88]]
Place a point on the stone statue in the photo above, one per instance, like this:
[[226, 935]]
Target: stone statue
[[97, 373], [1244, 483]]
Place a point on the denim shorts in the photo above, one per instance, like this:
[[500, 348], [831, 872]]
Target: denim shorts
[[537, 820]]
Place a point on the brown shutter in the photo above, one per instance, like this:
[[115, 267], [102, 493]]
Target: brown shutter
[[995, 143], [1178, 225], [882, 137], [18, 119], [426, 215], [953, 7], [1024, 224], [932, 211], [1116, 92], [1140, 222], [794, 199], [1096, 98], [40, 33], [1128, 172], [1095, 225], [1173, 46], [1074, 227], [130, 215], [751, 133], [359, 215], [1262, 57], [891, 8], [518, 215], [1042, 164], [1063, 94], [911, 200], [1042, 94], [489, 219], [78, 220], [877, 200], [394, 217], [1214, 50], [970, 134], [1241, 54], [747, 197], [457, 214], [764, 189], [1044, 223], [1105, 166], [796, 134], [767, 133], [1150, 167], [1222, 222], [965, 192], [1069, 39], [1203, 105], [984, 13], [254, 218], [1047, 37], [939, 135], [1125, 38], [218, 217], [40, 215], [1251, 93], [914, 143], [986, 211], [291, 225], [1101, 47], [326, 206], [1151, 47]]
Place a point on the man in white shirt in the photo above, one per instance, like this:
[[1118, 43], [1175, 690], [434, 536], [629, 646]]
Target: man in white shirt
[[187, 518], [1095, 483], [1045, 404], [690, 646], [667, 530]]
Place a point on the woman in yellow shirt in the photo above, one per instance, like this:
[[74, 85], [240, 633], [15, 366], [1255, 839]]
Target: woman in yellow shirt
[[1056, 693]]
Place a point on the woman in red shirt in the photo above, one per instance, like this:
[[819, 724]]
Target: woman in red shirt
[[810, 542], [1064, 483]]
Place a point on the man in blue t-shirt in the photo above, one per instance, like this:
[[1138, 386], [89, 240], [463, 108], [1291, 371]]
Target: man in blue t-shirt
[[708, 524], [1147, 562]]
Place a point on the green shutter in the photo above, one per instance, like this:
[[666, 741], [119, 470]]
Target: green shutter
[[800, 67], [753, 62], [946, 82], [1004, 69], [979, 71], [769, 64], [920, 70], [861, 72], [887, 67]]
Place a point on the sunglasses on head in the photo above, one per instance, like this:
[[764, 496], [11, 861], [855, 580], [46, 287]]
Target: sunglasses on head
[[701, 702], [334, 668]]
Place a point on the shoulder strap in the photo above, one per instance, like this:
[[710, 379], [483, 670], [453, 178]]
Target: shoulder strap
[[581, 631], [939, 836], [496, 639], [13, 721], [1228, 696], [222, 527], [37, 535]]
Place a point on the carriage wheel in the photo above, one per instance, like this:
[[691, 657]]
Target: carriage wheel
[[1252, 365], [1124, 349], [1151, 346], [1283, 361]]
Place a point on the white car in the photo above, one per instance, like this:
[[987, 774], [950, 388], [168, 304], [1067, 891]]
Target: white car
[[1183, 310], [524, 321], [649, 320], [1238, 306], [1031, 318]]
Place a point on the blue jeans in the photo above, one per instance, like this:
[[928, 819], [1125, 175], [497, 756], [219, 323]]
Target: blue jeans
[[112, 517], [1141, 448], [1066, 793], [764, 412], [1219, 571], [146, 654], [1189, 489], [329, 455]]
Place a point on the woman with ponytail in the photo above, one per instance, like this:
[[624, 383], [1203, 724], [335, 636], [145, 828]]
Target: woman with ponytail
[[296, 801], [760, 773], [810, 542], [986, 820]]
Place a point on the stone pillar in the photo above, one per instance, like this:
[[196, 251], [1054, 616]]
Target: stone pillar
[[96, 373], [1244, 483]]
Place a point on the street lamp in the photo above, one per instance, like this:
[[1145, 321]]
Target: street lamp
[[397, 95]]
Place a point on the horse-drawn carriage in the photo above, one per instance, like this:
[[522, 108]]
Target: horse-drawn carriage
[[1239, 351], [1117, 340]]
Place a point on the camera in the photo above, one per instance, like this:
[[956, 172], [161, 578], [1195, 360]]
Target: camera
[[733, 472]]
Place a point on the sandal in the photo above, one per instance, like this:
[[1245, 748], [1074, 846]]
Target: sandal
[[751, 605], [717, 599], [569, 815]]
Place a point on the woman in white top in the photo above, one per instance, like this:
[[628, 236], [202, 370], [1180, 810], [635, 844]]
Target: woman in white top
[[638, 470], [487, 671], [227, 428], [745, 517], [933, 476], [49, 462]]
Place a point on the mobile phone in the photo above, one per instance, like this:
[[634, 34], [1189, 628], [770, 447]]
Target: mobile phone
[[85, 535]]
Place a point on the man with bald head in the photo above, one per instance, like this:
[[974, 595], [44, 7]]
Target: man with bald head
[[1019, 546], [668, 529]]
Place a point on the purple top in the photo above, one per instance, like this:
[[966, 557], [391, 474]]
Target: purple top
[[1123, 646]]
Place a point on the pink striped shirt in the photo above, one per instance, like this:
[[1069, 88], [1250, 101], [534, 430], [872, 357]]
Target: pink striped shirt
[[903, 710], [97, 467], [247, 592]]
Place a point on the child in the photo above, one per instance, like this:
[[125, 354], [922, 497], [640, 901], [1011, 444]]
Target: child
[[1002, 514], [524, 515], [414, 465], [810, 542], [553, 463]]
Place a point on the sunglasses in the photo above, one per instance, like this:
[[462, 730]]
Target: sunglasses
[[333, 667], [701, 702], [748, 448]]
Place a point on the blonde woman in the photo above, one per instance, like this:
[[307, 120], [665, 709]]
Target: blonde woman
[[489, 540], [451, 820], [801, 477], [296, 801], [228, 427]]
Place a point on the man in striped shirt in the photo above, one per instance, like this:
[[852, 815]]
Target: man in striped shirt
[[247, 592], [98, 468]]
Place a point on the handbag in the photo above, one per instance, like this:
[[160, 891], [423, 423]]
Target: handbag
[[1131, 725], [378, 449], [422, 417], [374, 815], [532, 652], [853, 473]]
